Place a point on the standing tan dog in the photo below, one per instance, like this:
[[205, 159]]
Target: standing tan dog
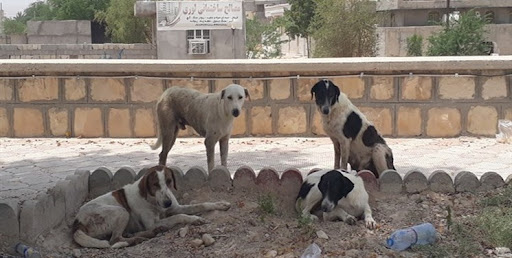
[[211, 115]]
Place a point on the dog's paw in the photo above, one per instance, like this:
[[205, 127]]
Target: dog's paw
[[351, 220], [223, 205], [196, 220], [370, 223]]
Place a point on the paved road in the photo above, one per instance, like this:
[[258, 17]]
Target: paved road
[[30, 166]]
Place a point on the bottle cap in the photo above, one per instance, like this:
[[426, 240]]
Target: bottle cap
[[390, 242]]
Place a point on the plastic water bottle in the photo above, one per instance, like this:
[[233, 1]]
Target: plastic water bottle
[[27, 251], [402, 239], [313, 251]]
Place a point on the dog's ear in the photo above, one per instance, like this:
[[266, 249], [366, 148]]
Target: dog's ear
[[314, 89], [222, 94], [337, 90], [143, 186], [247, 95]]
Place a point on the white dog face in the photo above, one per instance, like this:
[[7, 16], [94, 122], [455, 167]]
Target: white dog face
[[234, 96], [155, 186]]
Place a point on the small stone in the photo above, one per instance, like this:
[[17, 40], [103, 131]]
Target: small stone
[[183, 231], [271, 253], [196, 242], [321, 234], [267, 235], [502, 250], [286, 255], [208, 240], [77, 253]]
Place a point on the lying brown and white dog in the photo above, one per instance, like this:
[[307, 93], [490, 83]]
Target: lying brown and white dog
[[339, 195], [141, 210], [355, 139]]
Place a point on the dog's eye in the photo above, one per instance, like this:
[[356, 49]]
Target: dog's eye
[[239, 97], [230, 98]]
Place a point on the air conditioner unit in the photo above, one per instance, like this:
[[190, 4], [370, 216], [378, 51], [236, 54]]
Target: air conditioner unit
[[197, 46]]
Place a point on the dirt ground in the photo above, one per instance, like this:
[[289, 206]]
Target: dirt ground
[[248, 230]]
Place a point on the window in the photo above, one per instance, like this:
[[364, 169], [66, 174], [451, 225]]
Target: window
[[433, 18], [489, 16], [198, 41]]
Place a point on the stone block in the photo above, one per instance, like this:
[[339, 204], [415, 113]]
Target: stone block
[[494, 87], [370, 181], [122, 177], [353, 87], [88, 122], [381, 118], [39, 89], [304, 88], [416, 88], [289, 187], [390, 182], [443, 122], [292, 120], [317, 127], [195, 178], [280, 89], [9, 225], [42, 214], [75, 89], [144, 123], [28, 122], [466, 182], [439, 181], [456, 88], [108, 90], [76, 193], [490, 181], [4, 123], [409, 121], [220, 179], [508, 114], [261, 120], [199, 85], [509, 179], [100, 182], [240, 123], [482, 120], [179, 176], [119, 122], [382, 88], [58, 118], [6, 90], [255, 87], [415, 182], [244, 180], [146, 90], [267, 180]]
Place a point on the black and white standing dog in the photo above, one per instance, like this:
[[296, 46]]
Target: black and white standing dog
[[355, 139], [339, 194]]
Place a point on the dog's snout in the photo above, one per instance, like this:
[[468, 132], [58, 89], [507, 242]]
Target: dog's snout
[[325, 209], [325, 110], [167, 204], [235, 112]]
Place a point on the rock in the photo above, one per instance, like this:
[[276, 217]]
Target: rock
[[183, 231], [267, 235], [77, 253], [321, 234], [502, 250], [208, 240], [271, 253], [196, 242]]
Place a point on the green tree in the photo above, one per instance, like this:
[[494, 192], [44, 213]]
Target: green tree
[[15, 25], [38, 11], [298, 19], [77, 9], [264, 38], [462, 37], [414, 45], [122, 25], [345, 28]]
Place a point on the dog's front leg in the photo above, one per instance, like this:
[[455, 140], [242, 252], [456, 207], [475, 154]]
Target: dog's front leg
[[339, 213], [198, 208], [345, 153], [337, 153], [368, 219], [209, 143], [170, 222], [224, 147]]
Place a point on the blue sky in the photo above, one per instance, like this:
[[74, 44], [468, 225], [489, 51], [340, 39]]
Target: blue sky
[[11, 7]]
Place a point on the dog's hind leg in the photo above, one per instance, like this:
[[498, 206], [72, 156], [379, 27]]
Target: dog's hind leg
[[198, 208], [210, 142], [170, 222], [169, 135], [224, 147], [379, 156], [337, 153]]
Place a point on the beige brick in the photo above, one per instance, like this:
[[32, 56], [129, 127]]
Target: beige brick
[[279, 89], [74, 89], [107, 89], [353, 87], [119, 122], [443, 122], [292, 120], [256, 88], [494, 87], [88, 122], [4, 122], [381, 118], [144, 123], [38, 89], [261, 119], [304, 88], [221, 84], [456, 88], [28, 122], [382, 88], [199, 85], [508, 114], [58, 118], [482, 120], [6, 90], [240, 123], [317, 127], [409, 121], [146, 90], [417, 88]]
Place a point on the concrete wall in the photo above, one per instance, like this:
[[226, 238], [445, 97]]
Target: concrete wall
[[108, 100], [393, 40], [77, 51], [59, 32], [384, 5]]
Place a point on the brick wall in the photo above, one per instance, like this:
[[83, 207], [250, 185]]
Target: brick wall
[[399, 106]]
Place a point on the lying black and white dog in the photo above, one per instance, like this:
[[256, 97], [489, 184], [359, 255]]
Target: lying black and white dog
[[339, 194], [355, 139]]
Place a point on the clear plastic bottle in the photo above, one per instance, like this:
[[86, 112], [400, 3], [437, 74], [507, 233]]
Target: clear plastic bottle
[[27, 251], [402, 239], [313, 251]]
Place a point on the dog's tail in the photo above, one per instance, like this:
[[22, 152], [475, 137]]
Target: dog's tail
[[86, 241]]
